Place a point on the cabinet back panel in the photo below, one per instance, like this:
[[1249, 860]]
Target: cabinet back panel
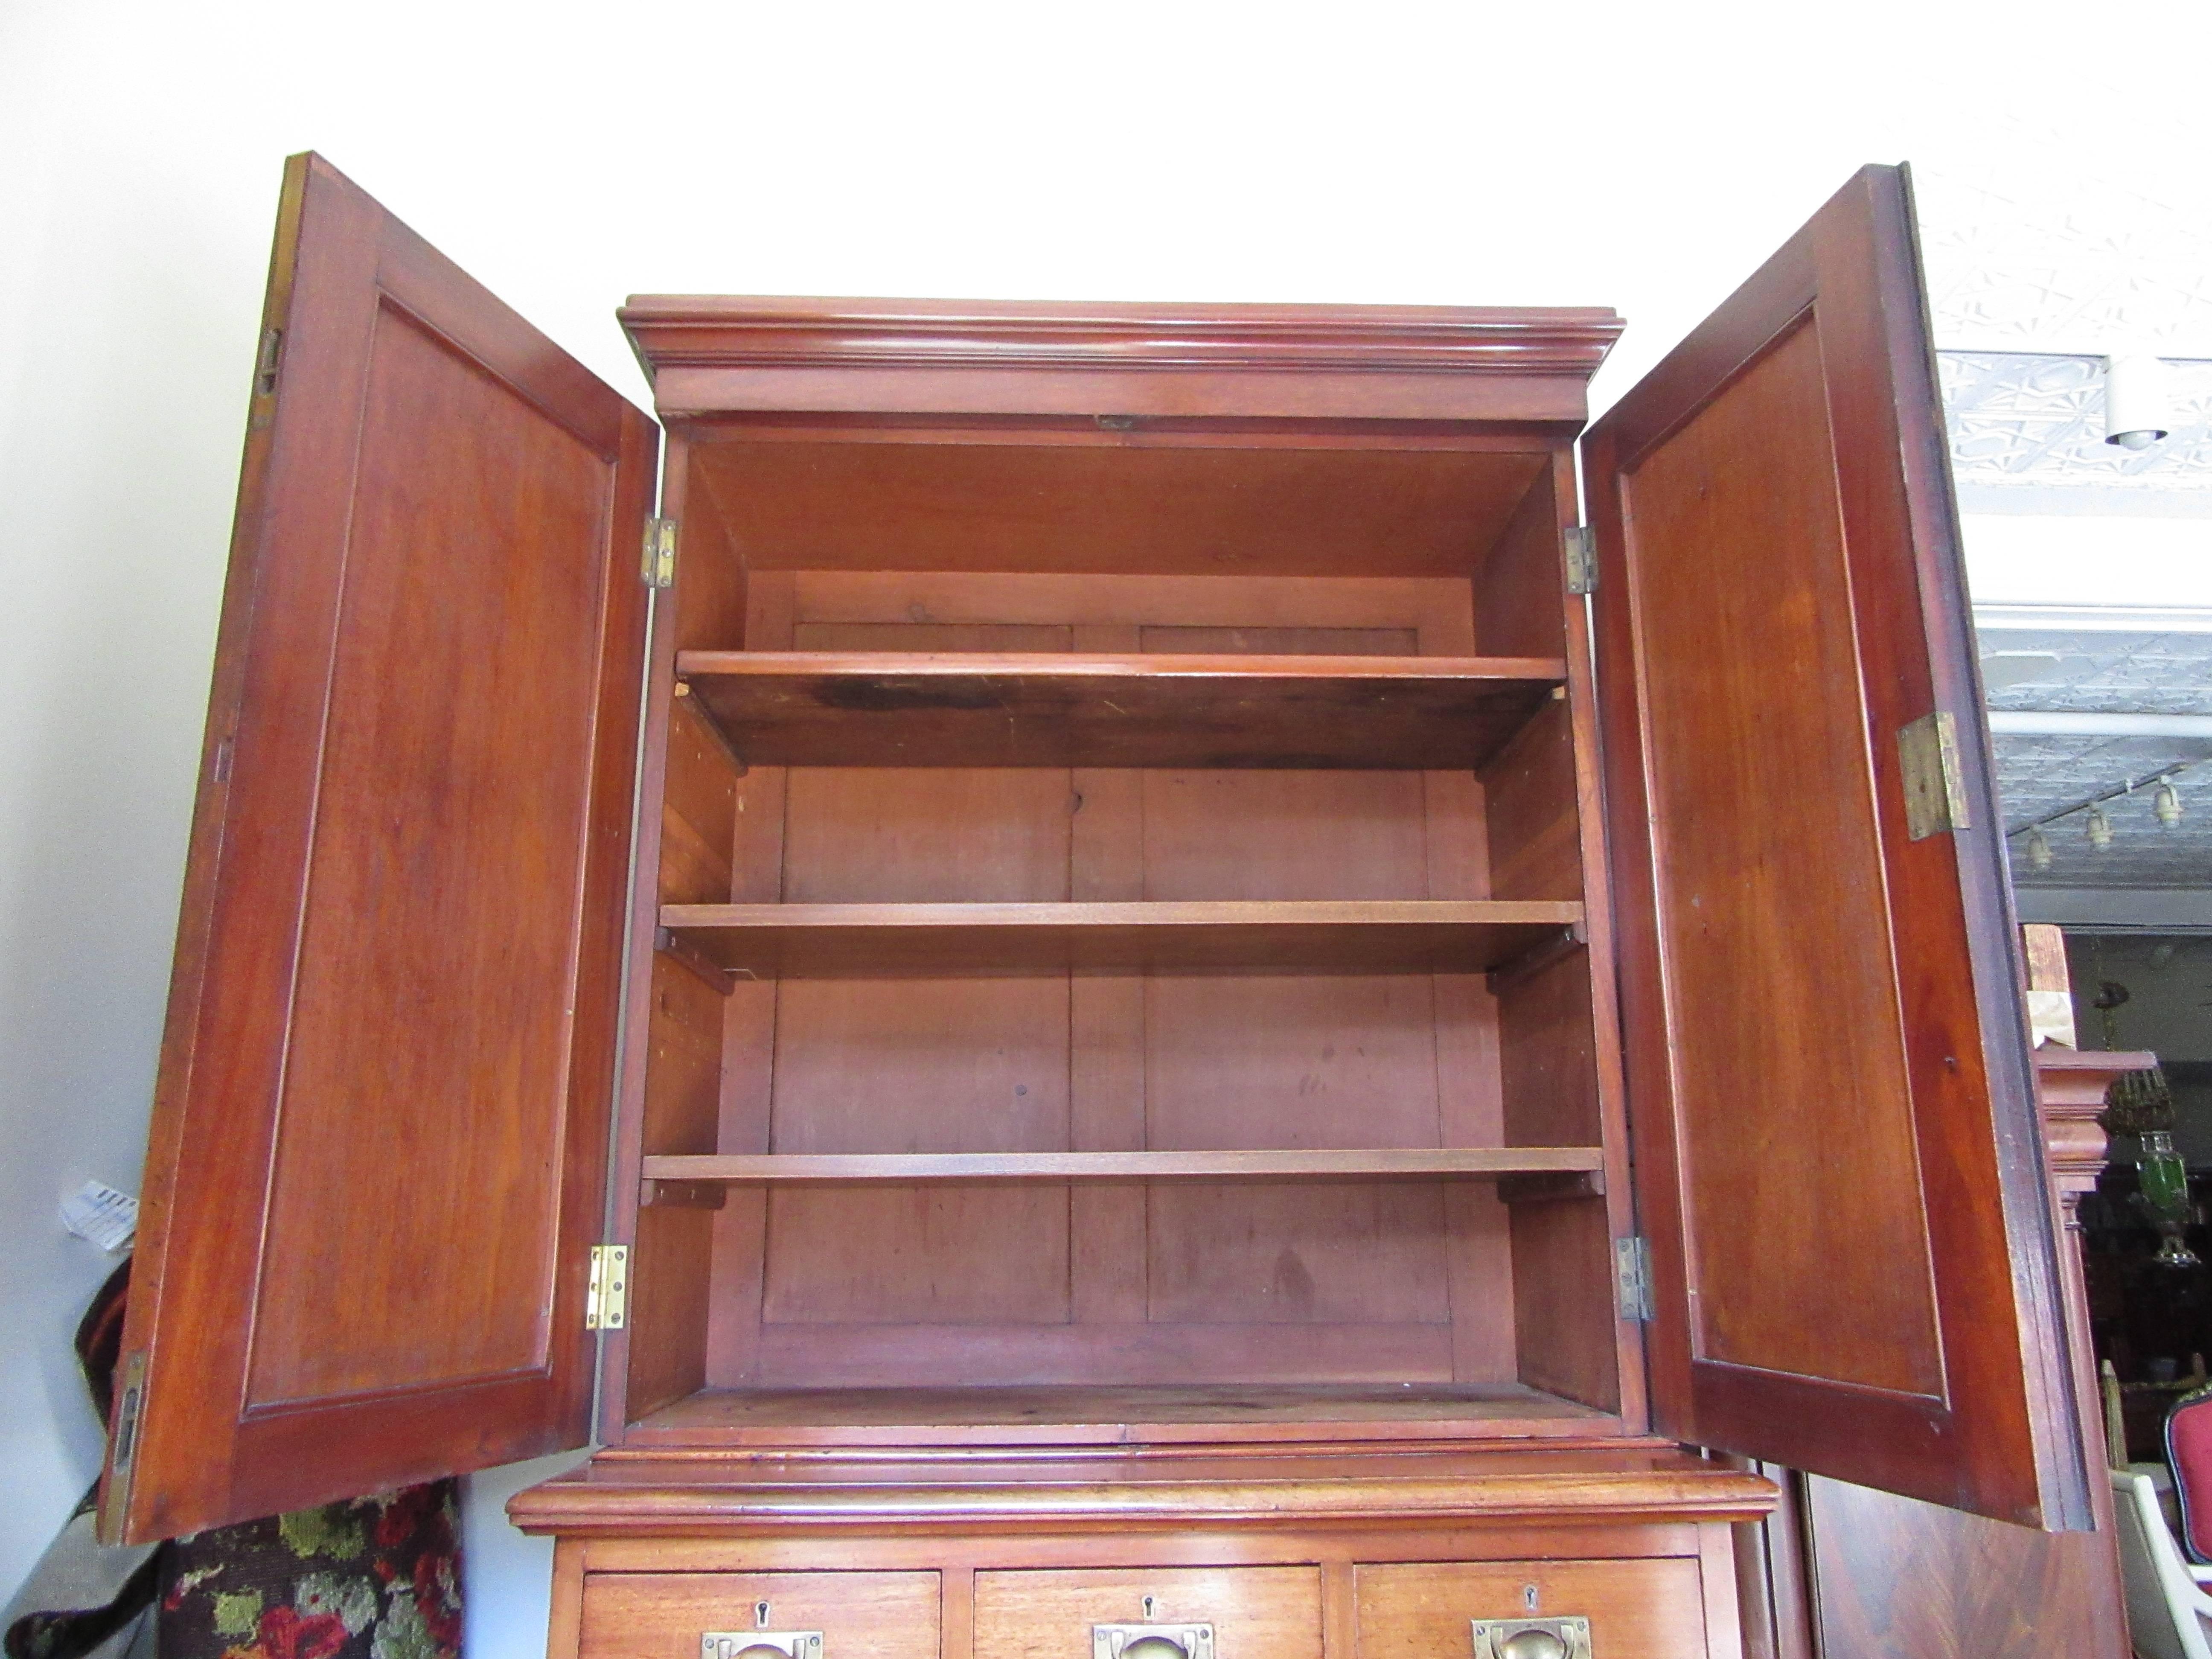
[[920, 1066], [925, 835], [1112, 506], [1437, 608]]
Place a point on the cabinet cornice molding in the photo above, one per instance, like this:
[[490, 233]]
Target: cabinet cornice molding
[[715, 331], [689, 1498]]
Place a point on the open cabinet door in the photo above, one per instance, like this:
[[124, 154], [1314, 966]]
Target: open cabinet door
[[379, 1144], [1838, 1163]]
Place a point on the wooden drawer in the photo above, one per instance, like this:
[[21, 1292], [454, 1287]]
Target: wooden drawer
[[1257, 1612], [1636, 1609], [662, 1615]]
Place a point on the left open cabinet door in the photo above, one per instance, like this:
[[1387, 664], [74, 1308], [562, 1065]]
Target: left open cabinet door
[[378, 1156]]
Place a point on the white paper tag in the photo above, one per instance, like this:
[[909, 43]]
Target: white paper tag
[[2051, 1016], [97, 1212]]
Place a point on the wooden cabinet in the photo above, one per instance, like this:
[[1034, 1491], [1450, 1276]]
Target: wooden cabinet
[[1191, 1008]]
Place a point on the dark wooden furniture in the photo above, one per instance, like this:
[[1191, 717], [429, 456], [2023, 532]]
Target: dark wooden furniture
[[1142, 983], [1855, 1573]]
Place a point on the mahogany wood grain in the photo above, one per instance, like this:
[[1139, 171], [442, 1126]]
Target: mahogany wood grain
[[1636, 1609], [1789, 952], [1621, 1499], [1437, 608], [703, 600], [1563, 1278], [1518, 589], [712, 594], [1534, 823], [671, 1249], [1092, 1408], [915, 707], [1340, 1615], [879, 940], [1109, 1272], [1048, 1615], [1896, 1578], [565, 1611], [1577, 1536], [1625, 1382], [698, 813], [1269, 507], [662, 1615], [956, 1609], [1990, 1588], [1716, 1560], [403, 910], [1117, 365], [1370, 1164], [1039, 1345]]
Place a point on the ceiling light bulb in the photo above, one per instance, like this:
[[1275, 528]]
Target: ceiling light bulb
[[2099, 828], [2138, 410], [2038, 850], [2167, 803]]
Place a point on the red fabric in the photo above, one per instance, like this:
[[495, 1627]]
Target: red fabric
[[2189, 1449]]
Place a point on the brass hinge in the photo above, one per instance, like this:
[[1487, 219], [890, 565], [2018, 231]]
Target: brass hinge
[[606, 1300], [1631, 1276], [1934, 785], [1582, 559], [659, 562], [130, 1409], [266, 362]]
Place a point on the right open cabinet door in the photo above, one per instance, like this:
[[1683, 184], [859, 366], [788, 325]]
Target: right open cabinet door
[[1836, 1157]]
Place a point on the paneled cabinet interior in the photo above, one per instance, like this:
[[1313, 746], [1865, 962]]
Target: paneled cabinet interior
[[1086, 973]]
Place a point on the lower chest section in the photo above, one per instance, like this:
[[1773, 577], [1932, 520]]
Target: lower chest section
[[1505, 1592]]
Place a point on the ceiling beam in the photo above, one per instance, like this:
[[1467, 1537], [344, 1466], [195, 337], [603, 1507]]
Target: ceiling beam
[[2119, 909], [2077, 723], [2094, 618]]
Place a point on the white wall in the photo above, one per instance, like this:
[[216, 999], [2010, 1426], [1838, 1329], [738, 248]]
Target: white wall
[[1642, 155]]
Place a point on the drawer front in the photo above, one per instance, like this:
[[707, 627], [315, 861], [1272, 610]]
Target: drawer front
[[1636, 1609], [662, 1615], [1257, 1612]]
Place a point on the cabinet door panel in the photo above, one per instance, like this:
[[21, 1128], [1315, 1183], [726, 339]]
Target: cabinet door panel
[[379, 1143], [1836, 1147]]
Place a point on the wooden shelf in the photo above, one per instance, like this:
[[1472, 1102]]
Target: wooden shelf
[[1373, 1163], [807, 941], [893, 709], [1505, 1408]]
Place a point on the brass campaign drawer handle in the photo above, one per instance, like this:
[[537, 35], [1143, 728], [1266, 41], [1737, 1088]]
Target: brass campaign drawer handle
[[760, 1644], [1152, 1642], [1532, 1638]]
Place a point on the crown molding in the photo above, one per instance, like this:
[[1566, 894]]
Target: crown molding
[[707, 332]]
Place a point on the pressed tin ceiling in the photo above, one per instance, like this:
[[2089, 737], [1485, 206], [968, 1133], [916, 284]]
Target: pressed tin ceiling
[[2101, 672], [2032, 280], [2029, 420]]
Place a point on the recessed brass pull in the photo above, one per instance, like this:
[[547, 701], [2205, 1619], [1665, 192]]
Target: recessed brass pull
[[1532, 1638], [760, 1644], [1152, 1641]]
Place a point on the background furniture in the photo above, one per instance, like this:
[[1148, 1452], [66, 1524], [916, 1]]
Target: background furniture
[[1850, 1570], [2168, 1611]]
